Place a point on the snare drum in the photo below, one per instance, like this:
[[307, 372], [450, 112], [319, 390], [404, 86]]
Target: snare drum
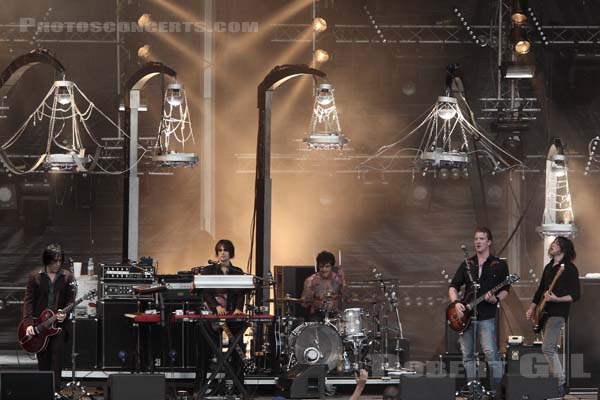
[[352, 323]]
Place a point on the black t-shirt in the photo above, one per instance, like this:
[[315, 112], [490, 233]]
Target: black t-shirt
[[493, 272], [567, 284]]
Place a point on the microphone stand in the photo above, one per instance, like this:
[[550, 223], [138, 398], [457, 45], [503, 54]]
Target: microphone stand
[[77, 391], [473, 390]]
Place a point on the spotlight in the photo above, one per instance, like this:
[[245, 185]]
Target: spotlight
[[174, 94], [455, 173], [465, 172], [319, 24], [444, 173], [321, 56], [521, 43], [63, 92], [446, 107], [518, 11], [144, 52], [144, 20]]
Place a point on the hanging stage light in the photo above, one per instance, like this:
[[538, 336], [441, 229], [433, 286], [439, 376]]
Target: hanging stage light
[[325, 132], [319, 24], [521, 44], [64, 92], [144, 52], [321, 56], [144, 20], [176, 123], [174, 94], [446, 107], [518, 11]]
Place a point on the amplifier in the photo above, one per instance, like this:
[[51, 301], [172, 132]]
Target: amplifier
[[86, 344], [119, 272], [121, 291], [525, 360]]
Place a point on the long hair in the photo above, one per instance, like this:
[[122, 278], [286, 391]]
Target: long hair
[[566, 247], [227, 245], [53, 252]]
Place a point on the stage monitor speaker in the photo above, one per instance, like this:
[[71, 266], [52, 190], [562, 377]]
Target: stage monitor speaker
[[426, 387], [304, 382], [26, 385], [136, 387], [517, 387], [118, 335], [86, 344], [522, 359]]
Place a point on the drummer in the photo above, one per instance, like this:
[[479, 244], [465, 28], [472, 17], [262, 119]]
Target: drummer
[[323, 290]]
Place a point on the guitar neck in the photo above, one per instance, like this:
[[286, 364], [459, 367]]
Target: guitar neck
[[65, 310], [492, 291]]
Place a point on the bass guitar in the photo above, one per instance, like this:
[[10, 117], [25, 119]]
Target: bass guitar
[[45, 327], [540, 316], [460, 324]]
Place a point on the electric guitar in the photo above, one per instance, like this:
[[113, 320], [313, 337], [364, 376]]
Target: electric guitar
[[45, 327], [460, 324], [539, 315]]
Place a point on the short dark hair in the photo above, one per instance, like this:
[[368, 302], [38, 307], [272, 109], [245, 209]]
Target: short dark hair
[[325, 257], [567, 248], [227, 245], [53, 252], [486, 230]]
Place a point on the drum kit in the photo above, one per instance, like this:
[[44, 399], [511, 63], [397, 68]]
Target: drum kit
[[347, 340]]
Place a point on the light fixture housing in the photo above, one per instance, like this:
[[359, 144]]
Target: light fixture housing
[[174, 94], [319, 24], [521, 44], [321, 56], [518, 71], [63, 92], [518, 15], [446, 107], [66, 162], [176, 160], [325, 132]]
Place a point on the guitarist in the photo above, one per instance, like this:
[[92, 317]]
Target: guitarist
[[488, 271], [49, 288], [558, 301]]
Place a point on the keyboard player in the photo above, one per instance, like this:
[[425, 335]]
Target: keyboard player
[[221, 302]]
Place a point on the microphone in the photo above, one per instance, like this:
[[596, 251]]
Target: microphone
[[463, 247], [213, 262]]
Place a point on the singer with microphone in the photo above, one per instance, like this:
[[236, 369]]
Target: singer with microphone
[[482, 272], [50, 287], [221, 302]]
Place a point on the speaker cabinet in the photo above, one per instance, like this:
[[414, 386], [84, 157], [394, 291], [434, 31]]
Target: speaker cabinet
[[304, 382], [517, 387], [136, 387], [26, 385], [425, 387], [118, 334], [86, 344], [522, 359], [584, 371]]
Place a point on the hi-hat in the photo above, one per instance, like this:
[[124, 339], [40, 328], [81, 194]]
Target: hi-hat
[[286, 300]]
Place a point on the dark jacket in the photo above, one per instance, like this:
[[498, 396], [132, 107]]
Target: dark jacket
[[566, 284], [36, 295], [493, 272], [235, 297]]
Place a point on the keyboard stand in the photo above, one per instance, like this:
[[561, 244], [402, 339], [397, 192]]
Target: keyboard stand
[[223, 359]]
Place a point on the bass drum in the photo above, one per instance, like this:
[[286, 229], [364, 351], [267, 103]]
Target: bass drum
[[316, 343]]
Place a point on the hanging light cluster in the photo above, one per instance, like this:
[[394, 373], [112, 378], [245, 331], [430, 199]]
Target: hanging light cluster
[[64, 150], [175, 124], [324, 132], [518, 33]]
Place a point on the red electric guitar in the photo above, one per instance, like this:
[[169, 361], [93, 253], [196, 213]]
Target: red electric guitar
[[45, 326], [460, 324]]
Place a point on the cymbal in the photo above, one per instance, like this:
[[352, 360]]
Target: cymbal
[[286, 300]]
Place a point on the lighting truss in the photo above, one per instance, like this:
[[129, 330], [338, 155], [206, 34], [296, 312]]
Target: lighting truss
[[592, 157], [444, 148], [175, 123]]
